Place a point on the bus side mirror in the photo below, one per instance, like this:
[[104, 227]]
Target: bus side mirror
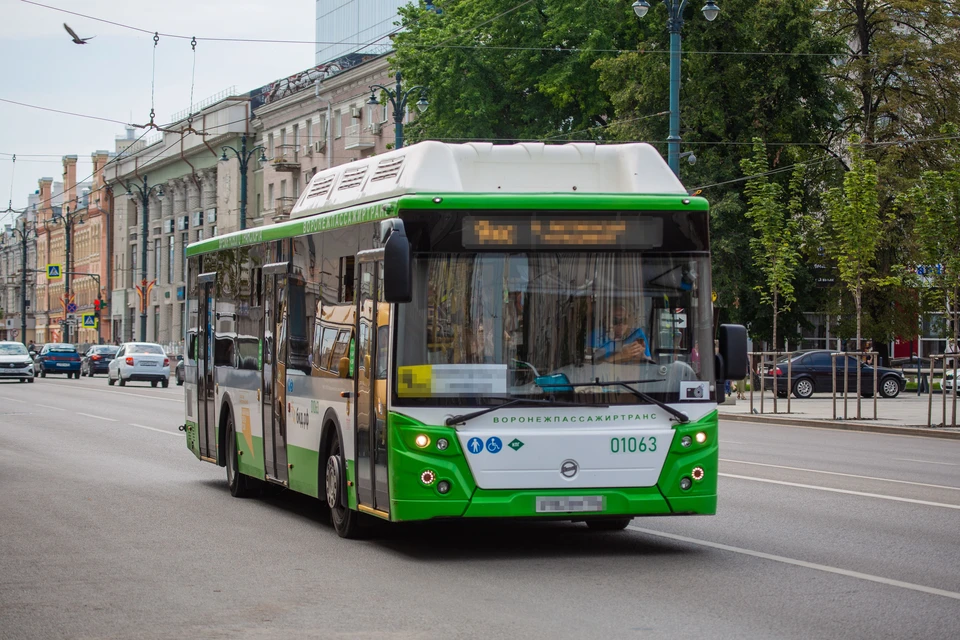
[[397, 265], [733, 352], [343, 368]]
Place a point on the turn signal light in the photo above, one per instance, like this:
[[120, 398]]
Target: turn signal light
[[129, 361], [422, 440]]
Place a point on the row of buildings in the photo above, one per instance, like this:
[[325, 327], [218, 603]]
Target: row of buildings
[[118, 237]]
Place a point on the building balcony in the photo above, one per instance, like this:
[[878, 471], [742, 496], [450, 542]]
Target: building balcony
[[283, 207], [358, 137], [286, 157]]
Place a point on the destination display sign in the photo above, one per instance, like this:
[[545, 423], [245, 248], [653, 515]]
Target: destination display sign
[[640, 232]]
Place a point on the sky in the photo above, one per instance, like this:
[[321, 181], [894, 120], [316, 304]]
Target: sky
[[112, 75]]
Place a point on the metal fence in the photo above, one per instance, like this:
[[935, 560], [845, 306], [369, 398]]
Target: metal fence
[[948, 360], [856, 356]]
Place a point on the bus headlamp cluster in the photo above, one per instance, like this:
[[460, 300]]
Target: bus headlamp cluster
[[422, 440], [686, 441]]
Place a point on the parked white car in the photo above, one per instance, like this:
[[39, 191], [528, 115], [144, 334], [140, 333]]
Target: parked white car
[[15, 362], [140, 362], [947, 382]]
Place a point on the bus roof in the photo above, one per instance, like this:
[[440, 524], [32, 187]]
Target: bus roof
[[482, 167]]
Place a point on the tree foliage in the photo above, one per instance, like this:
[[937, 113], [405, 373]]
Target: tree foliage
[[775, 248]]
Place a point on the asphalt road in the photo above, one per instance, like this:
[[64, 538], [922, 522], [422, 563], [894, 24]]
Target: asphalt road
[[110, 528]]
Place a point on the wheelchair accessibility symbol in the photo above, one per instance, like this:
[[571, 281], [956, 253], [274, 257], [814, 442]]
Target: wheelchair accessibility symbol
[[494, 444]]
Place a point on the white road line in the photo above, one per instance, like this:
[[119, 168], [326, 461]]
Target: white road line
[[169, 433], [949, 464], [49, 406], [115, 391], [845, 491], [90, 415], [15, 400], [803, 563], [845, 475]]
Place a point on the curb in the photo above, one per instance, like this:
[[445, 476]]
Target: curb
[[923, 432]]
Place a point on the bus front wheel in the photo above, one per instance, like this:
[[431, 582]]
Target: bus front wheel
[[609, 524], [239, 485], [345, 521]]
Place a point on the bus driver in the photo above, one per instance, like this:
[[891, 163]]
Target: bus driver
[[623, 342]]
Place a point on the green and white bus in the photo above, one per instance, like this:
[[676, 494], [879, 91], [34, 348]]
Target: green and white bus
[[467, 331]]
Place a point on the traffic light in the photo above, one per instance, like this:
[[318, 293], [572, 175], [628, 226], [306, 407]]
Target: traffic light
[[96, 305]]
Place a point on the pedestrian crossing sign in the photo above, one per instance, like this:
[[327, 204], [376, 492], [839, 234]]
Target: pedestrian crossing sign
[[53, 271], [89, 321]]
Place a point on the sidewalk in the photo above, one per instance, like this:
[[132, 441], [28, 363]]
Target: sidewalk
[[905, 414]]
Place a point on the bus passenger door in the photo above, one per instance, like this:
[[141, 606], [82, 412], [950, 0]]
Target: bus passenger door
[[373, 321], [274, 373], [206, 414]]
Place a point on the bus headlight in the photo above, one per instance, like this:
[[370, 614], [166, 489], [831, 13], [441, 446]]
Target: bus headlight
[[686, 483], [686, 441], [442, 444], [422, 440], [443, 487], [701, 437]]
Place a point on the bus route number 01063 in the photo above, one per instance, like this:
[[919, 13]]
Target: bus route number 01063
[[633, 445]]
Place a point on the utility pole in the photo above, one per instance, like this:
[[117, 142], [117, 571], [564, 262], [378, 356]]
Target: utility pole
[[143, 290]]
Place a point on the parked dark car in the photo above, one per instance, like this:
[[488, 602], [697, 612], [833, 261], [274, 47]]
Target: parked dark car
[[812, 372], [97, 359], [58, 357], [179, 371]]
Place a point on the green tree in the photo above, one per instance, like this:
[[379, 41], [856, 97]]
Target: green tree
[[935, 201], [775, 248], [854, 225]]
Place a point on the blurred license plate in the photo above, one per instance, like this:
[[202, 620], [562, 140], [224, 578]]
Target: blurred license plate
[[561, 504], [63, 364], [148, 364]]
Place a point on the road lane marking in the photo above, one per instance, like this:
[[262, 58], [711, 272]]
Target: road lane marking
[[14, 400], [169, 433], [116, 391], [90, 415], [949, 464], [845, 475], [845, 491], [803, 563], [49, 406]]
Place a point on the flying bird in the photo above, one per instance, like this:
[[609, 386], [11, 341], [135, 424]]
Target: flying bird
[[73, 34]]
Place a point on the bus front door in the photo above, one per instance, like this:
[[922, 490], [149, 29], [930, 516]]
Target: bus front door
[[206, 415], [373, 321], [274, 374]]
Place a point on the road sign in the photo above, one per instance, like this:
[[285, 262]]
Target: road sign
[[72, 307], [89, 321], [53, 271]]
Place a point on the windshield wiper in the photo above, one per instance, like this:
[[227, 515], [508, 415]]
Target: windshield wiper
[[452, 420], [679, 415]]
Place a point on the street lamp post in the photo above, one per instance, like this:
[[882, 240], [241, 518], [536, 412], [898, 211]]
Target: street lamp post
[[243, 156], [69, 220], [144, 193], [398, 98], [23, 235], [674, 23]]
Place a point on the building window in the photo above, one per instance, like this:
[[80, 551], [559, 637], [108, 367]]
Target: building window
[[309, 128], [322, 128], [171, 259], [184, 240], [156, 260], [283, 189], [199, 235], [270, 152], [337, 124], [270, 203]]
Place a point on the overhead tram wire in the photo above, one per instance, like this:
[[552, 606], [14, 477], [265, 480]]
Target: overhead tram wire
[[440, 45]]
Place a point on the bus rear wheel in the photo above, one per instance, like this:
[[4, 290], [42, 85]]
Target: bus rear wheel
[[609, 524], [345, 521], [238, 483]]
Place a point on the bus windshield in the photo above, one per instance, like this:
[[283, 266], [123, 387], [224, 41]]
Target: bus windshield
[[563, 326]]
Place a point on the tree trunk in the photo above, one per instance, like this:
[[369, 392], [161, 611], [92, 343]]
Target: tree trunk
[[776, 386], [956, 347]]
